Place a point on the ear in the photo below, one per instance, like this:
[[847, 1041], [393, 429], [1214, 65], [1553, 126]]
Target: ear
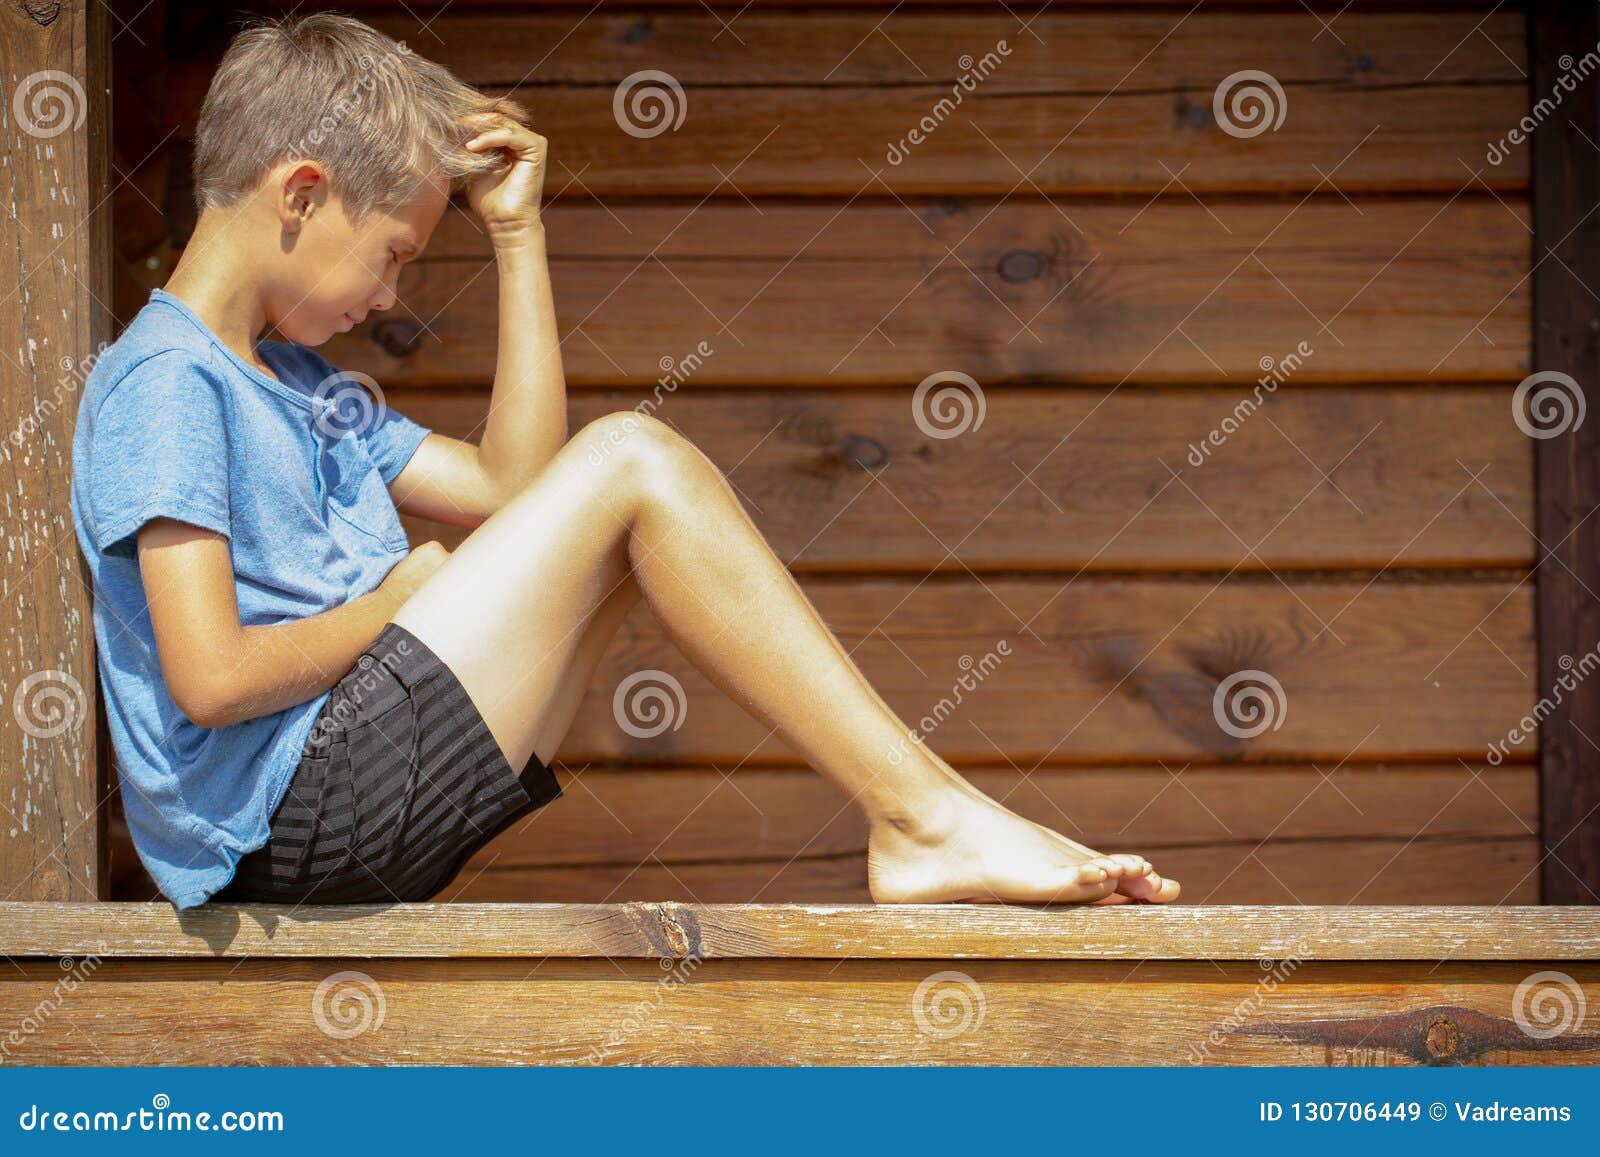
[[303, 189]]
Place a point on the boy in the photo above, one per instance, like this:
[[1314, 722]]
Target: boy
[[303, 710]]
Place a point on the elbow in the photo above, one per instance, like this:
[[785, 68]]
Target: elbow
[[205, 706]]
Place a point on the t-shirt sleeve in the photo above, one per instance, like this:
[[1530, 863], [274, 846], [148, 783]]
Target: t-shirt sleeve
[[390, 436], [391, 440], [159, 449]]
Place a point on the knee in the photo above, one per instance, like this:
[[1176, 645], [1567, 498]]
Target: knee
[[632, 438]]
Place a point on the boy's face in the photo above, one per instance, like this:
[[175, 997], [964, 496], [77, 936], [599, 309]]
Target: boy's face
[[335, 272]]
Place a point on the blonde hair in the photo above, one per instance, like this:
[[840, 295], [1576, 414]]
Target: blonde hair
[[327, 87]]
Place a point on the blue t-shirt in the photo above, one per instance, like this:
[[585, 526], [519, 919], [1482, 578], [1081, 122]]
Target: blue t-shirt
[[172, 423]]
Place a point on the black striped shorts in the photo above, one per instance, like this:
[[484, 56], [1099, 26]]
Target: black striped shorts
[[399, 783]]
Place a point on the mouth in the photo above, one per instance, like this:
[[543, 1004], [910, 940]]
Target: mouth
[[350, 322]]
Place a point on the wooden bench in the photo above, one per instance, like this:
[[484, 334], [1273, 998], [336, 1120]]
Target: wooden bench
[[758, 984]]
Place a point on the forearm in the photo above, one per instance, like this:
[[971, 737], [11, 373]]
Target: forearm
[[269, 668], [528, 405]]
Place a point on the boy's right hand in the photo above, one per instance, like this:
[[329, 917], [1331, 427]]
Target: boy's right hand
[[412, 571]]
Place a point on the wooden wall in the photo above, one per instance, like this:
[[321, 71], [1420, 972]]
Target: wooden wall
[[1115, 271]]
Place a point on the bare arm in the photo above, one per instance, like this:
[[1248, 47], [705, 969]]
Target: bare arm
[[219, 672], [528, 405]]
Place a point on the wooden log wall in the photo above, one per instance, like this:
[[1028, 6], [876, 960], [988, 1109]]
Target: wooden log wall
[[1117, 270]]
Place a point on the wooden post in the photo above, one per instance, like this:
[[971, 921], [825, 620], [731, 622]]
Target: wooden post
[[1566, 217], [55, 316]]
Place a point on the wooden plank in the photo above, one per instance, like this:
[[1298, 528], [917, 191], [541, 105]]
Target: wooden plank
[[1248, 835], [1431, 289], [811, 931], [826, 103], [1126, 670], [53, 320], [830, 475], [745, 1012], [1434, 869], [1567, 456]]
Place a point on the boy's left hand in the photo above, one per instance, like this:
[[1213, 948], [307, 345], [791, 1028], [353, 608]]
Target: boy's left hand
[[508, 199]]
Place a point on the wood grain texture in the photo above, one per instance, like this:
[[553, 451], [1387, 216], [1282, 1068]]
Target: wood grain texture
[[1112, 670], [780, 103], [52, 324], [787, 1012], [1081, 481], [1270, 834], [812, 931], [804, 293]]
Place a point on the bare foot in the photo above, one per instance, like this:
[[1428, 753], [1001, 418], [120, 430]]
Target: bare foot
[[970, 848]]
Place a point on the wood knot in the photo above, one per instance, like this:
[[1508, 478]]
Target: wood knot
[[397, 336], [671, 930], [1020, 265], [862, 452], [1442, 1038]]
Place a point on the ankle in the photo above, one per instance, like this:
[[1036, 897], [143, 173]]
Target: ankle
[[931, 817]]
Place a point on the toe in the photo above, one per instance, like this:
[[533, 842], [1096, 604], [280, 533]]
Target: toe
[[1151, 888], [1090, 872], [1132, 865]]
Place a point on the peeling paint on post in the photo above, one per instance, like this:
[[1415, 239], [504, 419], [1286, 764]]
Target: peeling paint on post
[[56, 119]]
